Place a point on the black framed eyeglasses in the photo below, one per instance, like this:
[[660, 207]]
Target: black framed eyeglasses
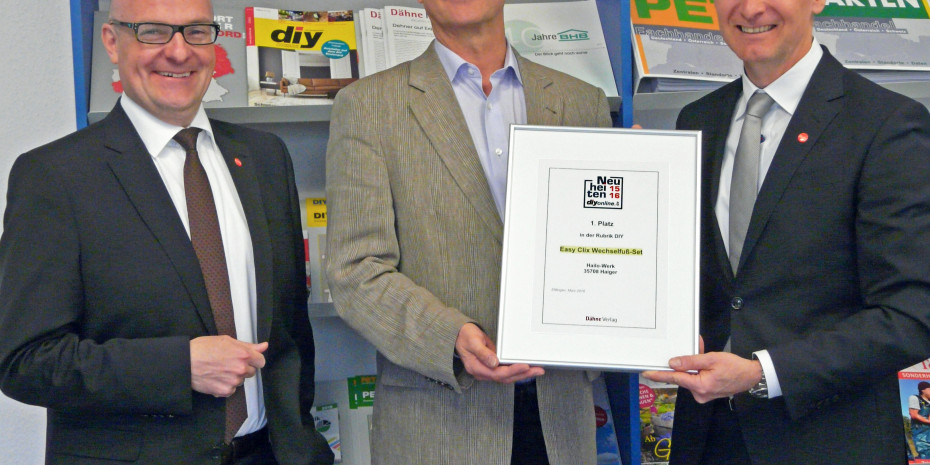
[[160, 33]]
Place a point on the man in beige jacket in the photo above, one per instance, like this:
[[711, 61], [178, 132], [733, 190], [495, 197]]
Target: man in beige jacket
[[416, 176]]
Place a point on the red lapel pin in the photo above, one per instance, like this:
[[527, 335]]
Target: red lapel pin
[[802, 137], [238, 161]]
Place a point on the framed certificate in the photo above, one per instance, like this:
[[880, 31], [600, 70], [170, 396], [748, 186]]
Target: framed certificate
[[600, 257]]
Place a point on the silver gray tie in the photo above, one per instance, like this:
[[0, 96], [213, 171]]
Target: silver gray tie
[[745, 183]]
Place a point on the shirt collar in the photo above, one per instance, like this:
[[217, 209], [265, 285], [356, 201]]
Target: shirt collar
[[452, 63], [788, 89], [155, 133]]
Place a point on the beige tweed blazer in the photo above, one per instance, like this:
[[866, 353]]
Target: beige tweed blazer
[[415, 253]]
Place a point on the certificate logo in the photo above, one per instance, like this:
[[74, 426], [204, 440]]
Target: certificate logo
[[604, 192]]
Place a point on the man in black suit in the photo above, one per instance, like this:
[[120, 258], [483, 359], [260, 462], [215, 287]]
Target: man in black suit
[[817, 293], [152, 290]]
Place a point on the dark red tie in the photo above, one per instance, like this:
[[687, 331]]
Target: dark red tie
[[208, 244]]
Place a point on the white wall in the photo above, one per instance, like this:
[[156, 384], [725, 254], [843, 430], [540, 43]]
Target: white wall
[[36, 106]]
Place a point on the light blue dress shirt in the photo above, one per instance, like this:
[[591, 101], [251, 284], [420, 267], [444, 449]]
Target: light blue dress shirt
[[488, 116]]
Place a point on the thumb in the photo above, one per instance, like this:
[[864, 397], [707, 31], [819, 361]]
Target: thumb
[[257, 360], [476, 343], [490, 359], [485, 355], [689, 363], [490, 353]]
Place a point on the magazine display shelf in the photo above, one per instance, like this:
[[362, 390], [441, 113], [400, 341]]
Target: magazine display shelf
[[341, 353]]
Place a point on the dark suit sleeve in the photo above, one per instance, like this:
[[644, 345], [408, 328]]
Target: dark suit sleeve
[[892, 251], [288, 375], [301, 331], [44, 359]]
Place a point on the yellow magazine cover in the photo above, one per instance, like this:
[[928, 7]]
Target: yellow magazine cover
[[299, 57]]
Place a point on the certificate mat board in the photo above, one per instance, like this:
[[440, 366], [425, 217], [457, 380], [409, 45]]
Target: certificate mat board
[[600, 257]]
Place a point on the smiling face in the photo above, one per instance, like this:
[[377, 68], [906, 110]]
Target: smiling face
[[168, 80], [770, 36]]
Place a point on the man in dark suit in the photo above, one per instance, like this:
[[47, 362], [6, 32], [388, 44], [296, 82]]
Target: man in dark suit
[[152, 289], [817, 293]]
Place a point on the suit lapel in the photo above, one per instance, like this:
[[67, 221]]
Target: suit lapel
[[435, 107], [820, 104], [543, 107], [247, 187], [133, 167]]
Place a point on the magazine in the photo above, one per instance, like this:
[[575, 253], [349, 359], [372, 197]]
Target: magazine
[[326, 422], [407, 33], [679, 47], [571, 43], [353, 399], [914, 388], [315, 248], [299, 57], [675, 45], [370, 33], [877, 35], [656, 418], [608, 450]]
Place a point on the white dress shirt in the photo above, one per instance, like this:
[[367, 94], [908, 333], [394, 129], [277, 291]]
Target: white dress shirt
[[787, 91], [168, 157]]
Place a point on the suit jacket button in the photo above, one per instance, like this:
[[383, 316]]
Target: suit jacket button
[[217, 452], [736, 303]]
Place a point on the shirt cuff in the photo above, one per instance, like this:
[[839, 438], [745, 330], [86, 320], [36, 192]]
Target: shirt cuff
[[771, 378]]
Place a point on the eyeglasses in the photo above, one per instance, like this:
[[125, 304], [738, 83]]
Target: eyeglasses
[[158, 33]]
